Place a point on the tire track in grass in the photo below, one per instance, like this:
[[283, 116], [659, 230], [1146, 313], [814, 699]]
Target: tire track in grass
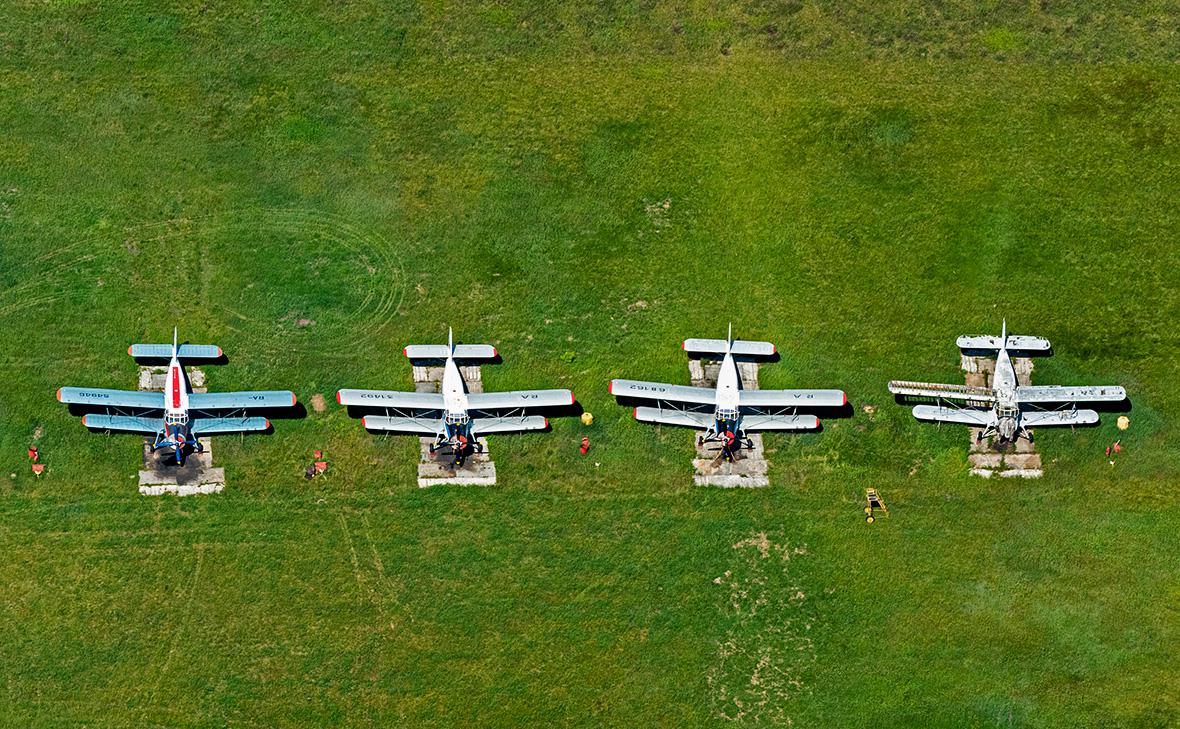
[[377, 273]]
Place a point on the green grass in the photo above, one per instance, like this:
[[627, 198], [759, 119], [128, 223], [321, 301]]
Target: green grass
[[857, 183]]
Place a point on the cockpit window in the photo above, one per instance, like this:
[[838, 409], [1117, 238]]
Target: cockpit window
[[727, 414], [457, 418], [176, 418]]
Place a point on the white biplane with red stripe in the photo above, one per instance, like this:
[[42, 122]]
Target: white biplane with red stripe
[[177, 417], [727, 412]]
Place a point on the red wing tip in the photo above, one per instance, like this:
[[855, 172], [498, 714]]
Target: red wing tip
[[130, 348], [83, 420], [495, 353], [293, 400], [773, 349], [338, 398], [406, 351], [59, 394], [546, 422], [845, 394], [610, 387], [267, 425], [219, 353], [635, 413], [363, 423], [684, 345], [573, 399]]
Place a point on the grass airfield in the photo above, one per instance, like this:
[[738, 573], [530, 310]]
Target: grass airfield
[[313, 187]]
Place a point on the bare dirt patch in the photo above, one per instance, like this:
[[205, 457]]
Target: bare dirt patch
[[317, 403]]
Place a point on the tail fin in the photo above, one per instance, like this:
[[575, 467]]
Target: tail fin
[[450, 340], [175, 341], [1004, 333], [729, 338]]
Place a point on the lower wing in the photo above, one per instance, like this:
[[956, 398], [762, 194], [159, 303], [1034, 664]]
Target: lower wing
[[977, 418], [700, 421], [210, 426], [792, 398], [1042, 418], [147, 426], [239, 400], [519, 399], [111, 398], [1061, 393], [487, 426], [420, 426], [779, 422], [660, 391]]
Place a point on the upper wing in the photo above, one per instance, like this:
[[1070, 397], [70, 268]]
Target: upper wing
[[1058, 417], [111, 398], [236, 400], [209, 426], [978, 418], [421, 426], [519, 399], [1020, 342], [779, 422], [486, 426], [938, 390], [391, 399], [700, 421], [792, 398], [658, 391], [147, 426], [1061, 393]]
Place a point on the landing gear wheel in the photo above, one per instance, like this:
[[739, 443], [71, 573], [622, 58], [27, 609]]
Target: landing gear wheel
[[870, 519]]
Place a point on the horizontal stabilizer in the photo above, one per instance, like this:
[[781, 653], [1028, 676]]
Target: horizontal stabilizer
[[792, 398], [184, 351], [442, 351], [1063, 393], [1043, 418], [739, 347], [700, 421], [391, 399], [754, 423], [421, 426], [111, 398], [147, 426], [519, 399], [935, 414], [942, 391], [237, 400], [661, 391], [1018, 342], [210, 426], [488, 426]]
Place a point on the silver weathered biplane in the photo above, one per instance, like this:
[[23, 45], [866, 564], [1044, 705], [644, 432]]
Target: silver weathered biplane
[[1007, 409], [727, 412], [455, 417], [177, 417]]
